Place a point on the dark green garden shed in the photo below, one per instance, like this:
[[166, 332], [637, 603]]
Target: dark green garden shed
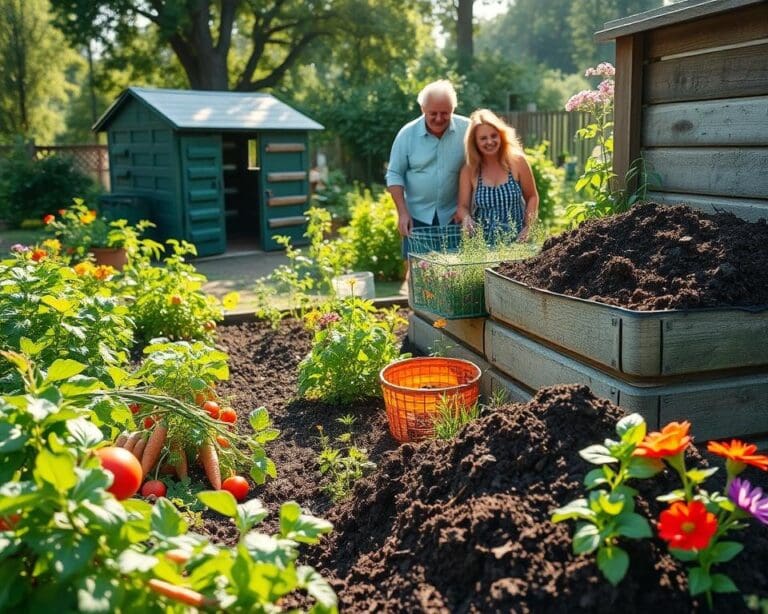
[[210, 167]]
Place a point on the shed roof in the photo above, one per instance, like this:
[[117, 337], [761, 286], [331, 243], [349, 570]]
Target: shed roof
[[667, 15], [207, 110]]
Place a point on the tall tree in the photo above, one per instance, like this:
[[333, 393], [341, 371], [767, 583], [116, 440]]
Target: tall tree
[[270, 35], [34, 59]]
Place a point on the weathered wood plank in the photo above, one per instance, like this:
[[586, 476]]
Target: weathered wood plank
[[588, 329], [735, 407], [282, 201], [730, 73], [727, 123], [285, 147], [732, 172], [467, 330], [535, 365], [287, 176], [711, 340], [627, 107], [641, 344], [733, 27], [494, 381], [282, 222], [747, 209]]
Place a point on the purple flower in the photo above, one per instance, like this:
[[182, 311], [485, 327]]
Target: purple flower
[[750, 499], [18, 248], [422, 264], [325, 320]]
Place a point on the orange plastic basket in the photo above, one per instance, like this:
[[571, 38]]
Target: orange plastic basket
[[413, 388]]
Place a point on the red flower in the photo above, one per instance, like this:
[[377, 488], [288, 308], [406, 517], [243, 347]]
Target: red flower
[[38, 255], [672, 440], [739, 452], [686, 526], [47, 219]]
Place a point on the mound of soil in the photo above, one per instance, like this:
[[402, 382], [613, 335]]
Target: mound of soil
[[463, 525], [655, 257]]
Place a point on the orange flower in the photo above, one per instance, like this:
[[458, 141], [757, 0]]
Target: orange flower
[[686, 526], [62, 211], [441, 323], [83, 268], [672, 440], [103, 271], [88, 218], [47, 219], [38, 255], [739, 452]]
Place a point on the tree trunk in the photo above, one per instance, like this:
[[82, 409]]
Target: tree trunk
[[464, 43]]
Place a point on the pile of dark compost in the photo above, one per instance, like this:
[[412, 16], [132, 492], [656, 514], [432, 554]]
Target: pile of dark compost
[[655, 257]]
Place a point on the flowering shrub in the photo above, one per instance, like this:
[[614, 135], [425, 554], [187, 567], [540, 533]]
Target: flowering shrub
[[353, 342], [695, 523], [598, 182]]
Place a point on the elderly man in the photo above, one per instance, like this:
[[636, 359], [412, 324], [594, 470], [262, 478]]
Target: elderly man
[[424, 165]]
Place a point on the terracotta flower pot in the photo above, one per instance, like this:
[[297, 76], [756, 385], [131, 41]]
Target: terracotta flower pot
[[116, 257]]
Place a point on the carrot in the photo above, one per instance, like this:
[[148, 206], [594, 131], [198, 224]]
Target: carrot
[[121, 439], [138, 449], [180, 593], [133, 439], [179, 460], [154, 447], [209, 459], [177, 555]]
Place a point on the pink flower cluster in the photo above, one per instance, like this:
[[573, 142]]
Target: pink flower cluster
[[604, 69], [589, 100], [325, 320]]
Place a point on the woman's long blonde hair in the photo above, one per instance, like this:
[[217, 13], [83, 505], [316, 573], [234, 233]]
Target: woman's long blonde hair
[[510, 144]]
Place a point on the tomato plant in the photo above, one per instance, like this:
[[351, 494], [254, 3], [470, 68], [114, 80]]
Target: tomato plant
[[213, 408], [153, 487], [228, 415], [148, 422], [125, 470], [237, 485]]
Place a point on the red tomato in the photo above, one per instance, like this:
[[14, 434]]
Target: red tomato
[[213, 408], [148, 423], [176, 299], [222, 441], [153, 487], [209, 325], [237, 485], [228, 415], [125, 470], [134, 407]]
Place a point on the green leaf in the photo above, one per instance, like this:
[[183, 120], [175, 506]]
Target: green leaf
[[79, 385], [633, 525], [221, 501], [40, 409], [89, 483], [697, 476], [98, 594], [317, 587], [575, 509], [250, 513], [641, 467], [362, 356], [586, 539], [612, 503], [63, 369], [671, 497], [56, 469], [130, 561], [69, 557], [631, 428], [267, 549], [613, 562], [85, 433], [61, 305], [166, 520], [597, 455], [684, 555], [698, 581], [595, 478], [259, 419], [725, 551], [12, 438], [723, 584], [30, 348], [301, 527]]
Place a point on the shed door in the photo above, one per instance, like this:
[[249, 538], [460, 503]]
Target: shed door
[[203, 195], [284, 187]]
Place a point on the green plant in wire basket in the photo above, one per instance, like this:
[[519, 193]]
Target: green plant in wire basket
[[449, 279]]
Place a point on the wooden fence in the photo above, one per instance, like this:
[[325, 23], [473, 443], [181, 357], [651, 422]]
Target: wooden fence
[[557, 127], [91, 160]]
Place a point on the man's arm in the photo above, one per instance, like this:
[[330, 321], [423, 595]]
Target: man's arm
[[404, 220], [396, 169]]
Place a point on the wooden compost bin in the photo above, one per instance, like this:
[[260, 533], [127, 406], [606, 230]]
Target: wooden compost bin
[[707, 366]]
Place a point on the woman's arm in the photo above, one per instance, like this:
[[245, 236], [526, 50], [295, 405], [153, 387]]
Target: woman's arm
[[463, 204], [530, 195]]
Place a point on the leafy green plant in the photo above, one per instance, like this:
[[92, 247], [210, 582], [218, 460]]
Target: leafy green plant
[[66, 543], [344, 463], [548, 180], [452, 417], [608, 514], [352, 343], [48, 311], [169, 301]]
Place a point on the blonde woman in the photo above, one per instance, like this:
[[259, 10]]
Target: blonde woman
[[496, 186]]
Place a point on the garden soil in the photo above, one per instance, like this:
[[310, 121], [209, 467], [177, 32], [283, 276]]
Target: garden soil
[[461, 525], [655, 257]]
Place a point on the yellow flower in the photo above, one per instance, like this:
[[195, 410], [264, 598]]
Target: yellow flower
[[83, 268], [103, 271], [88, 218], [441, 323], [52, 245]]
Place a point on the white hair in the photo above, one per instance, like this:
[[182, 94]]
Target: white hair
[[438, 89]]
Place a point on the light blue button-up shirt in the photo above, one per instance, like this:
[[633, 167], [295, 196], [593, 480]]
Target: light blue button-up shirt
[[428, 168]]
